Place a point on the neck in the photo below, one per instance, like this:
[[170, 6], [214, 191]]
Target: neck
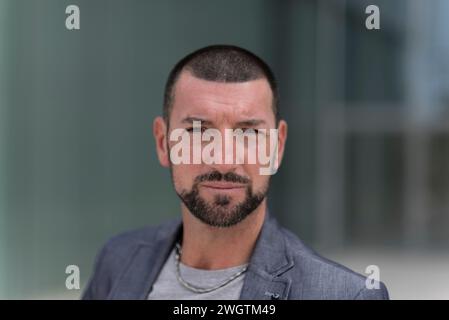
[[207, 247]]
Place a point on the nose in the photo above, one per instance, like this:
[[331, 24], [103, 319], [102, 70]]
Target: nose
[[226, 156]]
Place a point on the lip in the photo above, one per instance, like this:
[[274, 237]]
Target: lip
[[223, 185]]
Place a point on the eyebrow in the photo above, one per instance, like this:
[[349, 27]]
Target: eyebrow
[[251, 122], [247, 123], [191, 119]]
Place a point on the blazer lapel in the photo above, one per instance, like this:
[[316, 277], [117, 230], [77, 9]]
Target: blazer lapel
[[145, 264], [265, 277]]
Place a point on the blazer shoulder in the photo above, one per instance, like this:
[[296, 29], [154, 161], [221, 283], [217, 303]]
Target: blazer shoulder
[[113, 256], [145, 235], [316, 277]]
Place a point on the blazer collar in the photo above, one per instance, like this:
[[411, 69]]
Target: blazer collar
[[146, 262], [264, 278]]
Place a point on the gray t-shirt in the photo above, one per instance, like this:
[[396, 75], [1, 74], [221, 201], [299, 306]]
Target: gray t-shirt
[[167, 286]]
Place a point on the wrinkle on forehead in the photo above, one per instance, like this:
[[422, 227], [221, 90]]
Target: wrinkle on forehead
[[222, 101]]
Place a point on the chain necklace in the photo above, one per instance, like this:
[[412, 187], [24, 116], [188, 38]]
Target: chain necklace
[[198, 289]]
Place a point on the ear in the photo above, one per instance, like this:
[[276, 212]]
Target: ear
[[160, 138], [282, 138]]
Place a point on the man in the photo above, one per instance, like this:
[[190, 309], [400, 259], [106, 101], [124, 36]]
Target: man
[[227, 245]]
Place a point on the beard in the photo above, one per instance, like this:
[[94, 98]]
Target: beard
[[220, 212]]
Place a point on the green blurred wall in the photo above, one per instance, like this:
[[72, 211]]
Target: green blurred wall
[[3, 92]]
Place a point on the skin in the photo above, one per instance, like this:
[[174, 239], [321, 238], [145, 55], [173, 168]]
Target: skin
[[220, 106]]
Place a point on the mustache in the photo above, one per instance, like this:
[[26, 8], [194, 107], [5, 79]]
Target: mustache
[[218, 176]]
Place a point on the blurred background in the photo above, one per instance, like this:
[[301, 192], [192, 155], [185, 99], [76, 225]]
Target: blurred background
[[366, 173]]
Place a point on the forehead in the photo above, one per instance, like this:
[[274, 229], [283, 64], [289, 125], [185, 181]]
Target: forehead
[[219, 101]]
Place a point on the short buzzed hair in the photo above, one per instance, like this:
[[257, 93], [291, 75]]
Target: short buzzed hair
[[221, 63]]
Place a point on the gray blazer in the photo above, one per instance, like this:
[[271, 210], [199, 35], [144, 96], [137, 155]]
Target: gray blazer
[[281, 267]]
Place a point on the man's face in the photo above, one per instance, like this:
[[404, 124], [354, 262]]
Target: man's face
[[219, 194]]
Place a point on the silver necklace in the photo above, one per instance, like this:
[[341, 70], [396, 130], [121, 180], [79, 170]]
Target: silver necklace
[[196, 289]]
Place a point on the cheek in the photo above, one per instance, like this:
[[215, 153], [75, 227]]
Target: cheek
[[184, 175], [261, 183], [252, 170]]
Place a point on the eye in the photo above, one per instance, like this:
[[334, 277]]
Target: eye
[[250, 130], [191, 129]]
